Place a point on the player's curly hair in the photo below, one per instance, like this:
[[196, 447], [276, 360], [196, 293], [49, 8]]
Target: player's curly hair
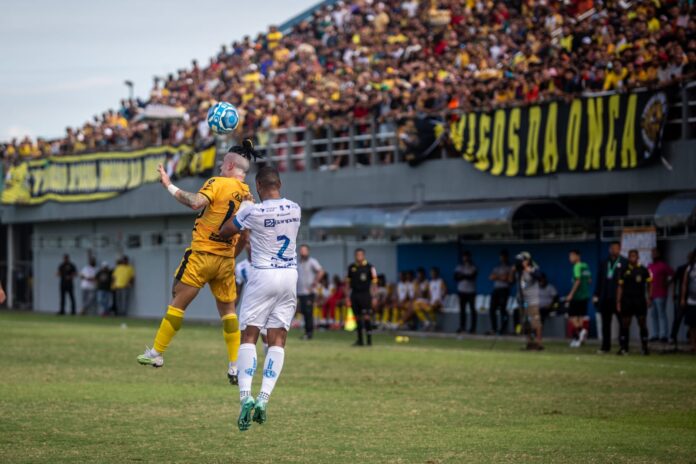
[[246, 149]]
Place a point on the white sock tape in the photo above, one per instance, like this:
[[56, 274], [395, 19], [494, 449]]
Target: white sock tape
[[173, 189]]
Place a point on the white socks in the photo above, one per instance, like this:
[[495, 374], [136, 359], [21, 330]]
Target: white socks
[[247, 367], [271, 371]]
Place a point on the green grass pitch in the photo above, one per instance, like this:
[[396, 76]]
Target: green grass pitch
[[71, 391]]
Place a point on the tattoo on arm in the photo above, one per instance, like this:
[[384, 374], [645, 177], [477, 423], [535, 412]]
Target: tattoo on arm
[[189, 199]]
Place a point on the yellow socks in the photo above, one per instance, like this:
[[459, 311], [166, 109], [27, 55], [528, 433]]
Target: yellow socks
[[171, 323], [232, 335]]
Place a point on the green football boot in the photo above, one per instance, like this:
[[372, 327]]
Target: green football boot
[[244, 421], [260, 412]]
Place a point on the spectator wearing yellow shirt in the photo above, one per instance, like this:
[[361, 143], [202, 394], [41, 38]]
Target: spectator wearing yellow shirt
[[615, 76], [273, 37], [654, 25], [26, 148], [123, 280]]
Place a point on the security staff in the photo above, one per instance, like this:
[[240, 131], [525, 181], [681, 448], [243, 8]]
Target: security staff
[[362, 284], [609, 273], [633, 299]]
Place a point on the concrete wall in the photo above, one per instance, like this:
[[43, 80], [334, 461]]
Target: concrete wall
[[155, 265], [434, 181]]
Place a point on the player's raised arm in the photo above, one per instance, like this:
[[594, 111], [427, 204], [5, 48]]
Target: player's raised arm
[[193, 200]]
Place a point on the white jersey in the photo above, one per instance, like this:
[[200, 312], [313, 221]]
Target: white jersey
[[274, 225], [270, 296], [242, 271], [411, 287], [402, 291], [436, 295]]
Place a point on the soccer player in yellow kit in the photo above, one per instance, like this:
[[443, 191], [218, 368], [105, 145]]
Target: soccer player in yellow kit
[[211, 258]]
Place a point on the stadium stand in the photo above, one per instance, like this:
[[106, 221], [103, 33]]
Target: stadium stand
[[362, 62]]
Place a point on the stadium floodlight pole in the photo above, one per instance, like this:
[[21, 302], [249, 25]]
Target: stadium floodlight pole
[[129, 83]]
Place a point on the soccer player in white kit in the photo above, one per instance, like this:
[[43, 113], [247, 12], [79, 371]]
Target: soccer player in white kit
[[270, 296]]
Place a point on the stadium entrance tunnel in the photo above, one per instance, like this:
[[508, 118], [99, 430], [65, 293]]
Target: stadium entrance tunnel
[[677, 210], [470, 219]]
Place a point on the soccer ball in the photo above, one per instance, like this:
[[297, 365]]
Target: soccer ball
[[223, 118]]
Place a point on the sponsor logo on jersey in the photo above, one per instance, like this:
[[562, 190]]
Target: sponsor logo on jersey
[[269, 222]]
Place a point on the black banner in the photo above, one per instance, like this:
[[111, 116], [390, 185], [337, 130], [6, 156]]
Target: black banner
[[593, 133]]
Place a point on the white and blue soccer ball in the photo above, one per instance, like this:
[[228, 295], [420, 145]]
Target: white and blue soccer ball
[[223, 118]]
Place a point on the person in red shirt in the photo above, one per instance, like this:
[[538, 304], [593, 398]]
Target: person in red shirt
[[662, 275]]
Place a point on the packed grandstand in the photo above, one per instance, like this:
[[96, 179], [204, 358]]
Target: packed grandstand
[[364, 60]]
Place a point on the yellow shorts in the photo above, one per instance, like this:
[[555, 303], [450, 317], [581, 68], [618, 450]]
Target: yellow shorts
[[422, 305], [198, 268]]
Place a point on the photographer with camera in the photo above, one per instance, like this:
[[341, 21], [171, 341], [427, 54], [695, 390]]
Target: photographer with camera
[[527, 275]]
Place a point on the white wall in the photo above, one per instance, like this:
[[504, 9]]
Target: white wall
[[155, 265]]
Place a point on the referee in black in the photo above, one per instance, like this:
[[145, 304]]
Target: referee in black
[[632, 299], [362, 282]]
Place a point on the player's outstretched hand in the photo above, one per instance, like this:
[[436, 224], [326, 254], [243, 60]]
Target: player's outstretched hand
[[164, 177]]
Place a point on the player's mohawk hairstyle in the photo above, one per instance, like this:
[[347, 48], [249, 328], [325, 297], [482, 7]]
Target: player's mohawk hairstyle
[[246, 149]]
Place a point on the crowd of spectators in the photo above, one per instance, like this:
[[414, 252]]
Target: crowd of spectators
[[522, 299], [366, 60]]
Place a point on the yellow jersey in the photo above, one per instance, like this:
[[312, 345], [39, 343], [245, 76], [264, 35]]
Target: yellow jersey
[[122, 276], [224, 194]]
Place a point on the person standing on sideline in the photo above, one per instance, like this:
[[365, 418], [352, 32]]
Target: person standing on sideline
[[576, 300], [309, 274], [633, 299], [124, 278], [608, 274], [502, 277], [103, 280], [2, 294], [662, 275], [678, 306], [688, 298], [66, 273], [465, 275], [88, 285], [362, 285], [528, 295]]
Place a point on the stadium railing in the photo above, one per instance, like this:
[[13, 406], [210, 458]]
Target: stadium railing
[[364, 142], [297, 148]]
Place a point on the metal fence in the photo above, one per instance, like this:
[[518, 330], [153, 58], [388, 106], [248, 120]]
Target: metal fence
[[371, 142], [611, 228], [328, 147]]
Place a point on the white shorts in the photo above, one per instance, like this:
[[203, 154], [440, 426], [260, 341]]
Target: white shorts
[[270, 299]]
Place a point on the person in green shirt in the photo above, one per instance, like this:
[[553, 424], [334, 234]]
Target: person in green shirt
[[577, 299]]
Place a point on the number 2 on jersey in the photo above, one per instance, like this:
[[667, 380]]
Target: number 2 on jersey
[[286, 241]]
